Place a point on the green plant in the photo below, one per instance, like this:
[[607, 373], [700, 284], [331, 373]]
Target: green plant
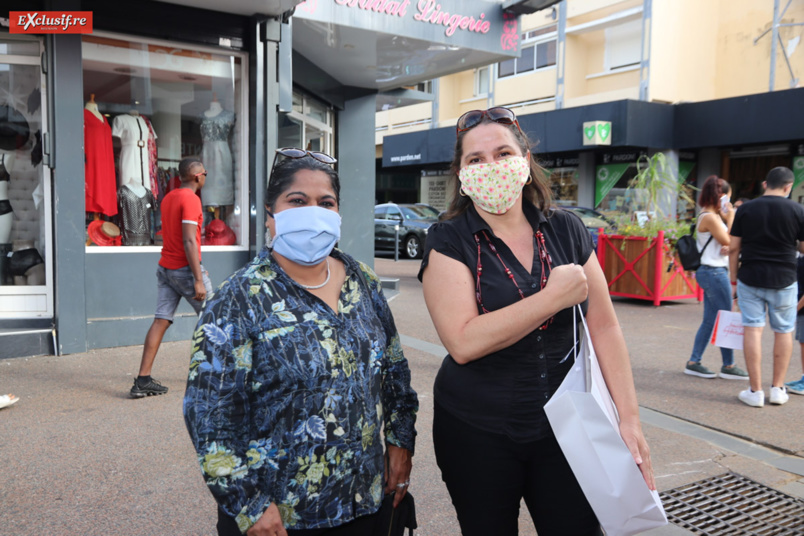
[[651, 192]]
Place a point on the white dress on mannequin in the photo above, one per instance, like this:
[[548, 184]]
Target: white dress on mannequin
[[135, 163], [216, 125]]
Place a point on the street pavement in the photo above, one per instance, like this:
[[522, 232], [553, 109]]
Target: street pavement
[[80, 457]]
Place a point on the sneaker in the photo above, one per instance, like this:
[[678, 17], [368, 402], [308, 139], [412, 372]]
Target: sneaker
[[151, 388], [733, 373], [696, 369], [752, 398], [796, 387], [778, 395]]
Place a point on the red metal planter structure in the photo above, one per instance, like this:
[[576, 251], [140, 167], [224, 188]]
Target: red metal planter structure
[[644, 268]]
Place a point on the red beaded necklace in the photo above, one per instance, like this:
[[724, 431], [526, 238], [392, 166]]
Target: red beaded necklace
[[544, 258]]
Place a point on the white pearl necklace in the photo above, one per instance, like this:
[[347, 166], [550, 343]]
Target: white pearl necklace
[[314, 287]]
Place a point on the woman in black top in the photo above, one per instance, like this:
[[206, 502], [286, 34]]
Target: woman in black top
[[508, 329]]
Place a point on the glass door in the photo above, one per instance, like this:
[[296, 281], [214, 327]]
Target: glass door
[[26, 259]]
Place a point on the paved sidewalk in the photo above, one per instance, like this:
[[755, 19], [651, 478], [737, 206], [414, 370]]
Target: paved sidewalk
[[81, 458]]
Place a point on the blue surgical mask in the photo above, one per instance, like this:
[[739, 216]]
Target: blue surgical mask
[[306, 235]]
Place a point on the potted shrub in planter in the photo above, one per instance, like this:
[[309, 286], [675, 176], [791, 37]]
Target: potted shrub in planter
[[640, 261]]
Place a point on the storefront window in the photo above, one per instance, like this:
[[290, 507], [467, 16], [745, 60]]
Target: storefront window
[[308, 126], [25, 215], [148, 106], [564, 186]]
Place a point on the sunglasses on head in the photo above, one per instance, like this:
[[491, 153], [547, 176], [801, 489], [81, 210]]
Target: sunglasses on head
[[295, 153], [498, 114]]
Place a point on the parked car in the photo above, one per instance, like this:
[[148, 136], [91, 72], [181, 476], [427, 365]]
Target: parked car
[[593, 220], [413, 221]]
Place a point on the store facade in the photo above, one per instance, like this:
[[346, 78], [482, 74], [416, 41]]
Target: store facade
[[96, 124], [739, 139]]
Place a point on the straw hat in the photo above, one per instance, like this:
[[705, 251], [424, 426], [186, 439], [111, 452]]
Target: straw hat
[[104, 233]]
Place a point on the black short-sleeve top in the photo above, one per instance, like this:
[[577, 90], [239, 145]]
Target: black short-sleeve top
[[505, 391]]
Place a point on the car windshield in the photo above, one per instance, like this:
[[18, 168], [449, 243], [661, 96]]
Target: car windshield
[[428, 211], [416, 212]]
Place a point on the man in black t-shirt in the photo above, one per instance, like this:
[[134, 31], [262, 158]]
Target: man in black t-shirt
[[764, 237]]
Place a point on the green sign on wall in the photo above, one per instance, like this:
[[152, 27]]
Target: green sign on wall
[[606, 176], [798, 170]]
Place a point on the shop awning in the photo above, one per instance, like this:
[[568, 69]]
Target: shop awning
[[386, 44]]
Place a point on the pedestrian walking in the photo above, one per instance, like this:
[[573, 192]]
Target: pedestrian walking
[[714, 224], [500, 276], [297, 374], [764, 237], [797, 387], [180, 273]]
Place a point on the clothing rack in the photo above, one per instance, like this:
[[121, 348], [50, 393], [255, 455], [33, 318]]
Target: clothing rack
[[168, 160]]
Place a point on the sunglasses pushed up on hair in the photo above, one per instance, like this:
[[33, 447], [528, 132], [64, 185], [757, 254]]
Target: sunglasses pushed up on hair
[[498, 114], [295, 153]]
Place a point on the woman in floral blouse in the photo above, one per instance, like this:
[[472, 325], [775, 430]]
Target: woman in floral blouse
[[297, 375]]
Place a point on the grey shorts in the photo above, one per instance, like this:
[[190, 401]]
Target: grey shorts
[[172, 285], [800, 329]]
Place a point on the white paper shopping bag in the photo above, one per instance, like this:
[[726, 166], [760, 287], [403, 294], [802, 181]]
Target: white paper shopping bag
[[585, 422], [728, 330]]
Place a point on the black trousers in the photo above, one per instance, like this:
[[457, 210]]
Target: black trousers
[[362, 526], [488, 475]]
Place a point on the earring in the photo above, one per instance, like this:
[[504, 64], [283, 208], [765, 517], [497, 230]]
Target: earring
[[530, 180], [462, 193]]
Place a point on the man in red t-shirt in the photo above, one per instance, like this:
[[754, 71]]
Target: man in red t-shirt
[[179, 273]]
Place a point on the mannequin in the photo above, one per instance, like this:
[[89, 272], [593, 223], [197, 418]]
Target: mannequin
[[216, 127], [100, 192], [135, 161], [6, 216], [215, 107], [92, 106], [137, 205]]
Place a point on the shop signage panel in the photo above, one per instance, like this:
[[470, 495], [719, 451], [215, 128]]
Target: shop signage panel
[[476, 24], [597, 133], [50, 22]]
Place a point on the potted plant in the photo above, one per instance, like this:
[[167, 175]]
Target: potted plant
[[640, 261]]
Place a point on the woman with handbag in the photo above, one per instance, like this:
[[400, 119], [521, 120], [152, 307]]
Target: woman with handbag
[[714, 225], [297, 374], [501, 275]]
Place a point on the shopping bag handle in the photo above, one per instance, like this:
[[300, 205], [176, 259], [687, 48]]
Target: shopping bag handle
[[574, 350]]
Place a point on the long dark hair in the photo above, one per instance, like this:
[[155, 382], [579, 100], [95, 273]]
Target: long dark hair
[[712, 190], [284, 172], [536, 191]]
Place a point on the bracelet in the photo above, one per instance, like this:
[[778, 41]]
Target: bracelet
[[734, 283]]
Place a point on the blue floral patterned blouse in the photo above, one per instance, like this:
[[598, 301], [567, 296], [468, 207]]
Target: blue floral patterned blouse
[[286, 399]]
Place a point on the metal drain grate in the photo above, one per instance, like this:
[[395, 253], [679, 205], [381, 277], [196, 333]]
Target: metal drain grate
[[732, 505]]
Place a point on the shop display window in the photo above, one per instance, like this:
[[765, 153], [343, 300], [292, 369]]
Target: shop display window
[[564, 186], [25, 238], [148, 105]]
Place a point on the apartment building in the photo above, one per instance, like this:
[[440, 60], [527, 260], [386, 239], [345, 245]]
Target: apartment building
[[714, 84]]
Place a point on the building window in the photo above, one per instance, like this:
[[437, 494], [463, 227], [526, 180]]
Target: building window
[[481, 82], [538, 52], [148, 106], [309, 126], [623, 45]]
